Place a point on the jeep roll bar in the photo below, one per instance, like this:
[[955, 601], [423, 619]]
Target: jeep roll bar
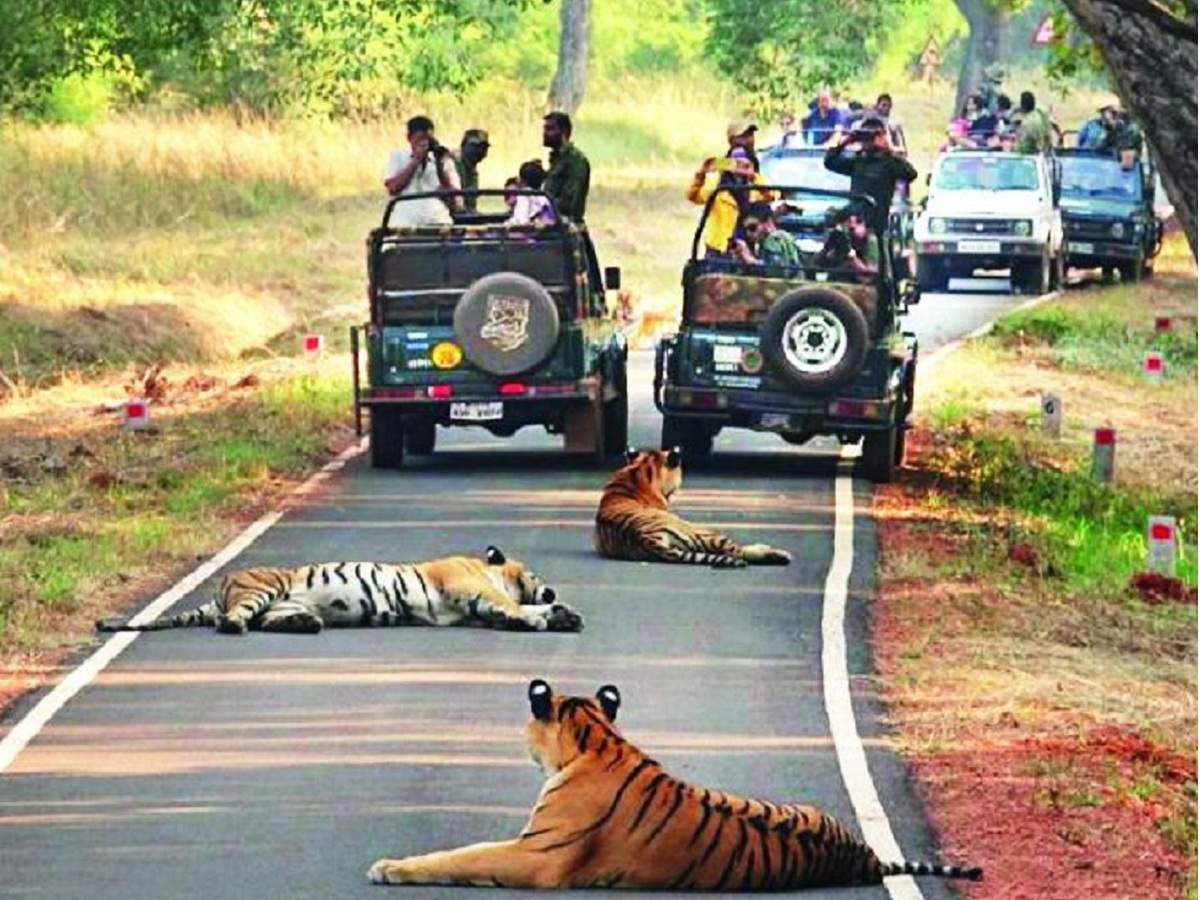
[[470, 192], [849, 196]]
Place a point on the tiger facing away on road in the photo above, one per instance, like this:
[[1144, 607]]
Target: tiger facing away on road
[[609, 816], [496, 591], [635, 521]]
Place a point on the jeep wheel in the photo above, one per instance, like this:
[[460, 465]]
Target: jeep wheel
[[691, 436], [420, 435], [583, 430], [816, 339], [1058, 271], [506, 323], [932, 275], [878, 462], [1031, 277], [387, 438], [1132, 270], [901, 443], [616, 413]]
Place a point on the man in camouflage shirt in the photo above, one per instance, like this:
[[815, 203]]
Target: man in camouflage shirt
[[1034, 129], [764, 243], [569, 178]]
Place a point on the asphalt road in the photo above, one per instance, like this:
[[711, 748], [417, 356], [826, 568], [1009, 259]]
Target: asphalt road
[[205, 766]]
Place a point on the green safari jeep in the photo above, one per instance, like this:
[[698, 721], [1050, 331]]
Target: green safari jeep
[[488, 324], [801, 351]]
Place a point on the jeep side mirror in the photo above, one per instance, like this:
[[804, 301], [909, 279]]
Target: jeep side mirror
[[612, 278]]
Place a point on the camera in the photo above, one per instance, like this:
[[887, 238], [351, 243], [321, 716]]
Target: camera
[[437, 149]]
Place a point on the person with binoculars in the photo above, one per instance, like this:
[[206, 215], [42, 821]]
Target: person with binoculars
[[874, 170], [425, 167]]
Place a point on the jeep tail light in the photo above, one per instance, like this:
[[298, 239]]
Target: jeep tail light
[[856, 409], [396, 393], [441, 391], [512, 389], [546, 390]]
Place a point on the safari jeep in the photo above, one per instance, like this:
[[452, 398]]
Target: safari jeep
[[1108, 214], [798, 351], [489, 325]]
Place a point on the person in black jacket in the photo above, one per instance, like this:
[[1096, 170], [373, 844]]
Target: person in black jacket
[[874, 170]]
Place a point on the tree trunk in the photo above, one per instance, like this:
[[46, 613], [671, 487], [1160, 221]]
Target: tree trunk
[[566, 90], [985, 21], [1151, 56]]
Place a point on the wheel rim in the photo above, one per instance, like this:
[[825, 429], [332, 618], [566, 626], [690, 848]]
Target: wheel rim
[[814, 341]]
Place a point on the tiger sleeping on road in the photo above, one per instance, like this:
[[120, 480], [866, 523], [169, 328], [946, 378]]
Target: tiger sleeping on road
[[609, 816], [494, 590], [635, 522]]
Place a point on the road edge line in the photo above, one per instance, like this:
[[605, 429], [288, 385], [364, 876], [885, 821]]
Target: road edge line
[[929, 362], [27, 727], [839, 709]]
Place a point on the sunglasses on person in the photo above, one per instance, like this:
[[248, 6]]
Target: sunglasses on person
[[751, 227]]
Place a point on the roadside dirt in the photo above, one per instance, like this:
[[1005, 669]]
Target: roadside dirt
[[1049, 789]]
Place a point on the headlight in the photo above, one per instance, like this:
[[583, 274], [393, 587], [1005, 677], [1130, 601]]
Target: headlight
[[937, 226], [1118, 229], [1139, 227], [1023, 227]]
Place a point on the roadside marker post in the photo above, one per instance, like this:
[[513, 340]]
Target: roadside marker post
[[1104, 452], [1161, 547], [137, 415], [313, 344], [1153, 367], [1052, 415], [1162, 323]]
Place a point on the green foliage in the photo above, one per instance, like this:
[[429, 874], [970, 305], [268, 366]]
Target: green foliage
[[779, 51]]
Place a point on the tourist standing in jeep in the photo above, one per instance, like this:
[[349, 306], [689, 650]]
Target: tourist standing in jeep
[[426, 166], [569, 178], [874, 170]]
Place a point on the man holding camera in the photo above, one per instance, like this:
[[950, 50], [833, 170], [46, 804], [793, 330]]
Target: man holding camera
[[425, 167], [874, 170]]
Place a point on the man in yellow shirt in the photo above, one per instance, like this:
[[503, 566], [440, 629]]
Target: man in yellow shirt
[[736, 169]]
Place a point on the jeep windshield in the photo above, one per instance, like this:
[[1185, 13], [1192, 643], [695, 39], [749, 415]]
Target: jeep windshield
[[1100, 177], [802, 166], [986, 173]]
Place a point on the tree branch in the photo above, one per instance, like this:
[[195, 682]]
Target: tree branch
[[1161, 16]]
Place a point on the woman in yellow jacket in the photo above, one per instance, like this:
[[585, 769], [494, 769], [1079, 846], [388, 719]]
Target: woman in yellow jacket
[[727, 207]]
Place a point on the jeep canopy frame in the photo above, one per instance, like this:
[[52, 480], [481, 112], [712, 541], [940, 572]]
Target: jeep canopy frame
[[393, 199]]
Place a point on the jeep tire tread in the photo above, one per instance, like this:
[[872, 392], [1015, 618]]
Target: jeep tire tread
[[878, 461], [420, 436], [387, 438]]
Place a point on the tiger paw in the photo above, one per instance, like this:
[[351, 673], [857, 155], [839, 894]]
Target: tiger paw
[[227, 625], [562, 618], [386, 871]]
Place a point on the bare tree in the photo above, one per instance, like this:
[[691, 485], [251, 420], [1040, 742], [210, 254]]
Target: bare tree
[[985, 21], [566, 90], [1151, 54]]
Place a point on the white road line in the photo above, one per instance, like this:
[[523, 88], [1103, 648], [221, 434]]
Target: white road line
[[82, 675], [852, 759]]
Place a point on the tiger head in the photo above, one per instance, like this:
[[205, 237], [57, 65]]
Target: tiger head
[[562, 726], [651, 473], [518, 580]]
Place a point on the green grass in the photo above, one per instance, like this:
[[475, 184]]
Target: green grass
[[173, 493], [1098, 341]]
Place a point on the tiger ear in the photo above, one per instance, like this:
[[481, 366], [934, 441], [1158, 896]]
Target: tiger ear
[[674, 458], [494, 556], [631, 454], [539, 699], [610, 701]]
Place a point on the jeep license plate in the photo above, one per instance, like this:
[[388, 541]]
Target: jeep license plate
[[477, 412], [1076, 247], [978, 246]]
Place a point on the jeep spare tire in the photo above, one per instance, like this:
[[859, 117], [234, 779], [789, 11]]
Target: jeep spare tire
[[815, 339], [506, 323]]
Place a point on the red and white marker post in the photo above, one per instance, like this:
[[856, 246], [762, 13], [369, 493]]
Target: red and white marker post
[[137, 415], [1161, 545], [313, 344], [1104, 454], [1162, 323], [1153, 367]]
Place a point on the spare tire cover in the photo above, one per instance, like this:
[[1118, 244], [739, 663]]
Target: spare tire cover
[[815, 339], [506, 323]]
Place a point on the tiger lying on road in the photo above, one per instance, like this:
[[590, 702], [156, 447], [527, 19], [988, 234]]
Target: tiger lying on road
[[609, 816], [635, 521], [496, 591]]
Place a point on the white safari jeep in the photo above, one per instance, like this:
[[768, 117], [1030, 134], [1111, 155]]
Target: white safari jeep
[[991, 210]]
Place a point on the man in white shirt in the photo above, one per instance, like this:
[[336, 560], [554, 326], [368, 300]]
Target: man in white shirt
[[426, 166]]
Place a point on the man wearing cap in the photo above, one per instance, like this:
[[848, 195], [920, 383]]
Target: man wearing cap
[[874, 170], [569, 177], [1111, 130], [825, 121], [471, 152]]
